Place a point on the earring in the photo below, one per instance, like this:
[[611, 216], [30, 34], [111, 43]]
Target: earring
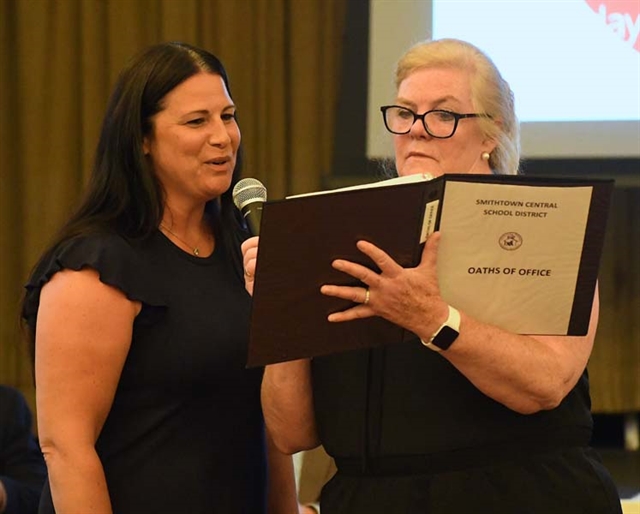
[[485, 155]]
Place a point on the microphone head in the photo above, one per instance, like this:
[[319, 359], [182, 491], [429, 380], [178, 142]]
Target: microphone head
[[249, 190]]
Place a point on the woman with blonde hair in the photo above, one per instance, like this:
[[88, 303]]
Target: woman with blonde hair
[[467, 417]]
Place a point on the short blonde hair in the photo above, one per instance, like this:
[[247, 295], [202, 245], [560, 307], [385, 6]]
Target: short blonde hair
[[490, 93]]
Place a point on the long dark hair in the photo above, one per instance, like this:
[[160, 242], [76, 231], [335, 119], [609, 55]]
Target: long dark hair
[[123, 194]]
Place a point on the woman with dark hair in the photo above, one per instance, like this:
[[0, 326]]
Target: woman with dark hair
[[139, 318]]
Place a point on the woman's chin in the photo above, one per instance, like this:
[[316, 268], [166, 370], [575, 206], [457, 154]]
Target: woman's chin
[[416, 168]]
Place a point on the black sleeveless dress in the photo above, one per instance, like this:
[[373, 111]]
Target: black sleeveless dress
[[411, 435], [185, 433]]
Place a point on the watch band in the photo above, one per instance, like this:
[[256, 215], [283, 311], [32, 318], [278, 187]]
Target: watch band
[[446, 334]]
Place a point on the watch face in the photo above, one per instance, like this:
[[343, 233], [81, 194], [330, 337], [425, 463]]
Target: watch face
[[445, 337]]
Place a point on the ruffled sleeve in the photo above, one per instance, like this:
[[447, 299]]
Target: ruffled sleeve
[[119, 263]]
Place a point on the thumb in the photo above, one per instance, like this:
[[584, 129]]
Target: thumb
[[430, 251]]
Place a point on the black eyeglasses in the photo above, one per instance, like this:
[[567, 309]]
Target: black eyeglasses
[[438, 123]]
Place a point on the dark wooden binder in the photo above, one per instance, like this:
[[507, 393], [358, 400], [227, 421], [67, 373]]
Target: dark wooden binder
[[301, 236]]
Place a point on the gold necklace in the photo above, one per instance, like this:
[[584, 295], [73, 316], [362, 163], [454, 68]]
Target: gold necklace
[[194, 249]]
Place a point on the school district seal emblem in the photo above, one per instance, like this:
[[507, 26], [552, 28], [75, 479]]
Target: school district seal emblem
[[510, 241]]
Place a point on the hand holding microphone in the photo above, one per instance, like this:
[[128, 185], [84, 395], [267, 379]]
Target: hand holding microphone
[[249, 196], [249, 260]]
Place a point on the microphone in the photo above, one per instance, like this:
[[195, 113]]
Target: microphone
[[249, 194]]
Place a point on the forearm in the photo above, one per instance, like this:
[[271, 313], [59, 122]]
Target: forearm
[[78, 484], [287, 403], [526, 374]]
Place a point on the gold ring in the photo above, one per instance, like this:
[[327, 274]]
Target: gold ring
[[366, 296]]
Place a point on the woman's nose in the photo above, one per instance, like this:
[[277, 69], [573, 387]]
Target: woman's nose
[[218, 135], [418, 129]]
